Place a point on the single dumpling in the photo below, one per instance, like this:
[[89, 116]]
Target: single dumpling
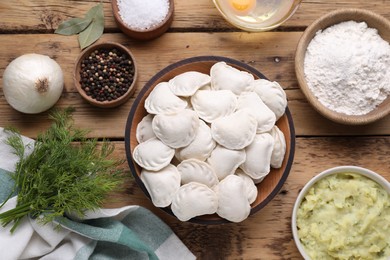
[[279, 149], [250, 187], [193, 170], [235, 131], [178, 129], [272, 95], [144, 129], [257, 181], [265, 117], [162, 100], [206, 87], [213, 104], [194, 199], [224, 76], [201, 147], [225, 161], [258, 156], [153, 155], [233, 203], [187, 83], [161, 185]]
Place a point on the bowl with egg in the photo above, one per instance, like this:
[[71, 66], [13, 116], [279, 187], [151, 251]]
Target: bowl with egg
[[204, 146], [256, 16], [343, 213], [341, 65]]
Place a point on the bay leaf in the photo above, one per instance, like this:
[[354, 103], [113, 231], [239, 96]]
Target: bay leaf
[[73, 26], [95, 29]]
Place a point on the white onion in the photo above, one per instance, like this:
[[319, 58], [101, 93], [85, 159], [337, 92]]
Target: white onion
[[33, 83]]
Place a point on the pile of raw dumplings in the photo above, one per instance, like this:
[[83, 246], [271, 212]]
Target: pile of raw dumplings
[[208, 139]]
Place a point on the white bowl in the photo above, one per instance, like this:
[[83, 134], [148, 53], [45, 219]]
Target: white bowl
[[340, 169]]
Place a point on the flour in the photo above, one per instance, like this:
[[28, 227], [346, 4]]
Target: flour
[[347, 67]]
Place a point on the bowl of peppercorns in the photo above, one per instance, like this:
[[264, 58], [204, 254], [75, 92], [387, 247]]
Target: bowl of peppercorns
[[105, 74]]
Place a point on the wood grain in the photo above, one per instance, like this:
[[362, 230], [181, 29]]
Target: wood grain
[[267, 234], [272, 53], [45, 15]]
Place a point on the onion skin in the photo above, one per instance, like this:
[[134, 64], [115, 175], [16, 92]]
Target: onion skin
[[33, 83]]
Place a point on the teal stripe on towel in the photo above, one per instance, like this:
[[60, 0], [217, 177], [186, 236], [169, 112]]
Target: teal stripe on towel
[[109, 231], [7, 184], [150, 229]]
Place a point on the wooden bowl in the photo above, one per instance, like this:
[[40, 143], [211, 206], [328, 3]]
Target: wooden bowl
[[374, 21], [272, 183], [76, 76], [148, 34]]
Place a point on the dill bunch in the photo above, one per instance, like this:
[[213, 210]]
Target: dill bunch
[[65, 173]]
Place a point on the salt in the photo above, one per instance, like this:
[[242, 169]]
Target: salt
[[143, 14]]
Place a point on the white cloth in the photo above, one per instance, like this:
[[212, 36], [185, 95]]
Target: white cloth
[[130, 232]]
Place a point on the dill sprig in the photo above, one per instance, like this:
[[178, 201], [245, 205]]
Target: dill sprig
[[66, 173]]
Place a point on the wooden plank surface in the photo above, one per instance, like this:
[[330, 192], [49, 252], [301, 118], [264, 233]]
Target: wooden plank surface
[[271, 53], [45, 15]]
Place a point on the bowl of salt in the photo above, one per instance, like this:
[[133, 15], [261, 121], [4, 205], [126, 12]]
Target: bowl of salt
[[143, 20]]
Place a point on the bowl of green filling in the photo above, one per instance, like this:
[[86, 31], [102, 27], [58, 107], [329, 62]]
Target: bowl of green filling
[[343, 213]]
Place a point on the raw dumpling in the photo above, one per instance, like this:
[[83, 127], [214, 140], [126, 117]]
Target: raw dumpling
[[194, 199], [206, 87], [225, 161], [224, 76], [201, 147], [153, 155], [279, 147], [272, 94], [161, 185], [265, 117], [258, 156], [250, 187], [235, 131], [233, 203], [257, 181], [176, 130], [144, 129], [187, 83], [162, 100], [213, 104], [193, 170]]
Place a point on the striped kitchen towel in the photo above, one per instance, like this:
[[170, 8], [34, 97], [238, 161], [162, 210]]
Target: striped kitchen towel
[[131, 232]]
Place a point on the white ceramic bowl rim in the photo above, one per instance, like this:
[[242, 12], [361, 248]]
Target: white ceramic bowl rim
[[339, 169]]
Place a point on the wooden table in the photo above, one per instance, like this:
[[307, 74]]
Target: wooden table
[[198, 29]]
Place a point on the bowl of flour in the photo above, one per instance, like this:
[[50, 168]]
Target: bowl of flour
[[342, 64]]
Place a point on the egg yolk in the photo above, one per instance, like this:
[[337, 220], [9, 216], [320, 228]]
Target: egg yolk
[[242, 7]]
